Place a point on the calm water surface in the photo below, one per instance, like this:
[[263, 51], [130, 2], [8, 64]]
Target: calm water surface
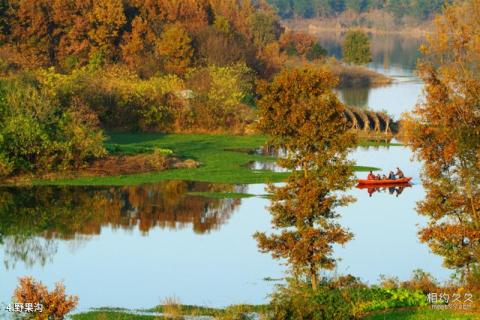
[[133, 246], [393, 55]]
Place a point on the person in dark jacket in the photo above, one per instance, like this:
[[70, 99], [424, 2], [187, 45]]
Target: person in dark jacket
[[391, 175], [399, 173]]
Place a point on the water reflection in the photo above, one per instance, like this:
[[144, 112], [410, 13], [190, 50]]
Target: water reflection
[[32, 218], [355, 96], [394, 190]]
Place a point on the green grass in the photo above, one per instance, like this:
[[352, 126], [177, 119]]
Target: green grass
[[219, 156], [417, 314], [113, 315], [421, 314], [231, 312], [221, 195], [379, 143]]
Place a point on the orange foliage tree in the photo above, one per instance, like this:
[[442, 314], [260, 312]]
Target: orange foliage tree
[[304, 117], [444, 132], [107, 18], [55, 304]]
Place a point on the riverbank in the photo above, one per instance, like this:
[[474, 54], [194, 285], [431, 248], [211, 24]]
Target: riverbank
[[339, 25], [252, 312], [220, 159], [349, 76]]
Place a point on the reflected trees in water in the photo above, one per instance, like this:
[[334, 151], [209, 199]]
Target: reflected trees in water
[[444, 132], [33, 219]]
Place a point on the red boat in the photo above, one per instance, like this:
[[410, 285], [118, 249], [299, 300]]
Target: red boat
[[387, 182], [386, 185]]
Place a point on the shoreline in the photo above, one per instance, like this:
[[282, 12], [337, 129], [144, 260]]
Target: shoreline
[[218, 162], [316, 26]]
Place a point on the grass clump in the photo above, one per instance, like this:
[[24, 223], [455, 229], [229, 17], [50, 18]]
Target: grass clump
[[421, 314]]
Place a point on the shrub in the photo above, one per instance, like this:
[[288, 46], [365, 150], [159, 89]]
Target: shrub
[[316, 52], [56, 304], [38, 134], [375, 298], [172, 307], [299, 301], [421, 281]]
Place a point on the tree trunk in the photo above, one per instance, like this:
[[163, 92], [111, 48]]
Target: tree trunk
[[313, 274]]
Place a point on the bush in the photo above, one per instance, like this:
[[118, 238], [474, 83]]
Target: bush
[[316, 52], [375, 298], [37, 134], [56, 304], [299, 301]]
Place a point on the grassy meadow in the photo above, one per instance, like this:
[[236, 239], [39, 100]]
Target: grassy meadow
[[223, 159]]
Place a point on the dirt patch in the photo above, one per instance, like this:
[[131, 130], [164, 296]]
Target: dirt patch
[[120, 165]]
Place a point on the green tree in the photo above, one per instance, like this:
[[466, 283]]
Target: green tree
[[356, 47], [304, 8], [316, 52], [299, 110], [265, 29], [356, 5]]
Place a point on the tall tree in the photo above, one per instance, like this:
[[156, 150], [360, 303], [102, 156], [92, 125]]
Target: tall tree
[[356, 47], [138, 48], [444, 132], [174, 49], [299, 110]]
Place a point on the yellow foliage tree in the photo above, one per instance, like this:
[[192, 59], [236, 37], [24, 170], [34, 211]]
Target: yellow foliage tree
[[107, 18], [174, 49]]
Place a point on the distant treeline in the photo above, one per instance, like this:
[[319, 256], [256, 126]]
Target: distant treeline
[[419, 9]]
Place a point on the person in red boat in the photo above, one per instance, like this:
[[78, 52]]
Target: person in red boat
[[371, 176], [399, 173], [391, 175]]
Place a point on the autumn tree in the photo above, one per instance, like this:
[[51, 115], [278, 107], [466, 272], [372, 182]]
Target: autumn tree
[[32, 30], [107, 17], [138, 48], [356, 47], [299, 110], [444, 132], [56, 304], [174, 49], [72, 26]]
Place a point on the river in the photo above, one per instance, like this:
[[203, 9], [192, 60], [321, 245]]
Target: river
[[134, 246]]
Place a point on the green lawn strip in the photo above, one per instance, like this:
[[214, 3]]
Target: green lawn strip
[[113, 315], [421, 314], [219, 156], [373, 143], [221, 195]]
